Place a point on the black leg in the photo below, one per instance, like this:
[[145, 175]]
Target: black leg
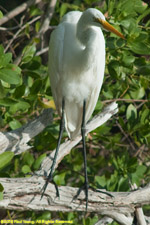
[[50, 176], [86, 186]]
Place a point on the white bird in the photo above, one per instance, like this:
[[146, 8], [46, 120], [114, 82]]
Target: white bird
[[76, 68]]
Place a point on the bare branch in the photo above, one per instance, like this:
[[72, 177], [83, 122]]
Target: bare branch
[[42, 51], [139, 211], [126, 100], [19, 31], [25, 193], [46, 22], [49, 14], [18, 10], [16, 141]]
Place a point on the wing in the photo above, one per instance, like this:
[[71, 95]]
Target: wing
[[75, 111], [56, 56], [55, 63]]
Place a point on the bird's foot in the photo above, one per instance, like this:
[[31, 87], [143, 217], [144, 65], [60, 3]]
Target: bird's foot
[[48, 180], [85, 188], [102, 191]]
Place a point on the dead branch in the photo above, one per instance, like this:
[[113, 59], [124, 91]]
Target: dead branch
[[49, 14], [16, 140], [139, 211], [20, 30], [25, 194], [18, 10]]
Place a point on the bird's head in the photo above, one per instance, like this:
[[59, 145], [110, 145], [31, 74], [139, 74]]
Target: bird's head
[[96, 18]]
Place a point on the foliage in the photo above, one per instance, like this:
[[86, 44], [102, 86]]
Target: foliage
[[117, 152]]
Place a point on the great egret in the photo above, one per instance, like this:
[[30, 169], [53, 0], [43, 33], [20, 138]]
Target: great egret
[[76, 68]]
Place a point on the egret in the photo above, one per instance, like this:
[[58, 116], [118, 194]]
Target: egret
[[76, 68]]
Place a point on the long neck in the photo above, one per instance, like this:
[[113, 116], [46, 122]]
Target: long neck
[[86, 36]]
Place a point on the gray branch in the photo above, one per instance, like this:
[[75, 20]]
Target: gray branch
[[16, 141], [25, 194], [18, 10]]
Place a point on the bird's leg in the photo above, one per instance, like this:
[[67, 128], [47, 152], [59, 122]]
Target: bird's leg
[[84, 152], [86, 185], [61, 129]]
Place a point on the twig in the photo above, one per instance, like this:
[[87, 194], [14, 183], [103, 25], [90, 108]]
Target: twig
[[18, 10], [125, 100], [46, 22], [123, 132], [49, 14], [13, 28], [42, 51], [21, 29]]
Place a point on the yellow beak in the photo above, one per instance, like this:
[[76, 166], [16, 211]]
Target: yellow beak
[[110, 28]]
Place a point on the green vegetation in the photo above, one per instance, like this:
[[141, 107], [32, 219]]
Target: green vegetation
[[118, 152]]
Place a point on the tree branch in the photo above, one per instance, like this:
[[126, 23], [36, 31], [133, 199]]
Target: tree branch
[[16, 140], [25, 194], [49, 14], [18, 10]]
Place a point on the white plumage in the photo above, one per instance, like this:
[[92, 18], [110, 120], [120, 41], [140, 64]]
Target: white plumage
[[76, 65]]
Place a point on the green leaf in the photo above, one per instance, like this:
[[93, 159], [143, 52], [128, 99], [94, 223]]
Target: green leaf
[[114, 68], [138, 93], [101, 180], [34, 11], [36, 87], [63, 9], [2, 91], [5, 159], [145, 115], [1, 191], [1, 196], [140, 48], [37, 26], [5, 59], [145, 70], [14, 124], [141, 169], [1, 187], [11, 74], [19, 106], [38, 161], [19, 91], [26, 169], [131, 112], [128, 59], [123, 184], [28, 159], [7, 102], [45, 216], [1, 14], [28, 53], [60, 178]]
